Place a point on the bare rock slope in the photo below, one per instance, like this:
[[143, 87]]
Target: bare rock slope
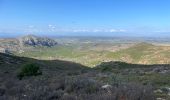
[[32, 40]]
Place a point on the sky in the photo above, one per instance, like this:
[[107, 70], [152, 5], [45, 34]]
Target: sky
[[85, 17]]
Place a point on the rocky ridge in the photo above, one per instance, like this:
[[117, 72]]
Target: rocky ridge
[[33, 40]]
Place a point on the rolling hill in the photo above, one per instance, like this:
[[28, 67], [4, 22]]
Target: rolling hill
[[143, 53], [88, 52]]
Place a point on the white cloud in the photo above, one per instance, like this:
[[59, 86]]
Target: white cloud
[[52, 28], [31, 26], [112, 30], [79, 30], [122, 30], [49, 25], [30, 29], [162, 31], [98, 30]]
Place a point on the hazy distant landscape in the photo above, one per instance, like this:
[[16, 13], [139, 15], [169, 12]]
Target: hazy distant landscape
[[91, 51]]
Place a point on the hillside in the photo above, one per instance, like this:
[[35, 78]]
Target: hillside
[[13, 62], [88, 52], [67, 80], [143, 53]]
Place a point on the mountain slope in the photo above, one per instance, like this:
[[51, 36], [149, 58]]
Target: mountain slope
[[143, 53], [14, 62]]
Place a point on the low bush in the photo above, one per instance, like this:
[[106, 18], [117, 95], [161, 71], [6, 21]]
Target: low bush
[[29, 70], [81, 85], [2, 91]]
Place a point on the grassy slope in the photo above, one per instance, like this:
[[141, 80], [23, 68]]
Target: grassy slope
[[142, 53], [70, 53]]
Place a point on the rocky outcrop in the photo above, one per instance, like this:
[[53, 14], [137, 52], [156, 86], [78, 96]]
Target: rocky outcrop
[[4, 50], [32, 40]]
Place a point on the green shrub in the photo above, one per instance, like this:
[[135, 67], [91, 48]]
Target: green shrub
[[29, 70], [105, 68]]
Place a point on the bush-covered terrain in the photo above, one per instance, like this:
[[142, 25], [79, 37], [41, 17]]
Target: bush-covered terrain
[[63, 80]]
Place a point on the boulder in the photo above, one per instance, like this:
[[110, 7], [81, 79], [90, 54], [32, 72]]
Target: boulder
[[107, 86]]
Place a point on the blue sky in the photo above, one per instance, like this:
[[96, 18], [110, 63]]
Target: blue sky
[[85, 17]]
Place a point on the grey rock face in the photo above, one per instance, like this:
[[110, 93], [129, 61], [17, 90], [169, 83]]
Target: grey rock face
[[37, 41], [4, 50]]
